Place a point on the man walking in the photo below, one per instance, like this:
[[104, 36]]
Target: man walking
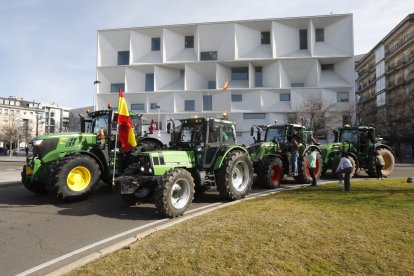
[[345, 167]]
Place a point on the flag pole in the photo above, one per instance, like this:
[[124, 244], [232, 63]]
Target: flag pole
[[115, 148]]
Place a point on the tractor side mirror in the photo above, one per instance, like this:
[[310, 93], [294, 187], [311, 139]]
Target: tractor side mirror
[[259, 134], [251, 131], [169, 127]]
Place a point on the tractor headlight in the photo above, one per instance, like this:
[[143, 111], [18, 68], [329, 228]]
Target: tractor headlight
[[37, 142]]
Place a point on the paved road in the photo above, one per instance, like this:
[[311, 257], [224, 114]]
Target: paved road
[[36, 229]]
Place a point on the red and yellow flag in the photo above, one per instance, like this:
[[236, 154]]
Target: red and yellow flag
[[125, 126], [226, 85]]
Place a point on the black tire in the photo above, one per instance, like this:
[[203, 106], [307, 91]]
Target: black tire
[[36, 187], [273, 174], [75, 177], [174, 193], [235, 177], [303, 169]]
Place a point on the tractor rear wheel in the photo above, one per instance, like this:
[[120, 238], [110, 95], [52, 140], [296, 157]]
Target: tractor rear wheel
[[389, 160], [75, 177], [235, 177], [174, 193], [274, 173], [303, 168]]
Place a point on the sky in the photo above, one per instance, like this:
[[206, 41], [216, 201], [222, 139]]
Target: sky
[[48, 47]]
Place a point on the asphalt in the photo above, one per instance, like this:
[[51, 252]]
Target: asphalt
[[13, 175]]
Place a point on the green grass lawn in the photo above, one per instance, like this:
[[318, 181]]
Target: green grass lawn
[[318, 230]]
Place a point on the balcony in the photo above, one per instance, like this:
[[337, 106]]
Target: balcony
[[399, 45]]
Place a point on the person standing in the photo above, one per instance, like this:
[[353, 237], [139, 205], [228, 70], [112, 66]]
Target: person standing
[[26, 149], [312, 164], [379, 164], [294, 147], [345, 167]]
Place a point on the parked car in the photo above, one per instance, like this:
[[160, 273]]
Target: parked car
[[3, 151]]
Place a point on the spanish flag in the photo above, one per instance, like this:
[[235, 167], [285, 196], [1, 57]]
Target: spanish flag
[[125, 126], [226, 85]]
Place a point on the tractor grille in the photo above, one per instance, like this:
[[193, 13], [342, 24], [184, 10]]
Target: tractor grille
[[45, 147]]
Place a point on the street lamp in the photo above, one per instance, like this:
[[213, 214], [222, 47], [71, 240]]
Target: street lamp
[[93, 95]]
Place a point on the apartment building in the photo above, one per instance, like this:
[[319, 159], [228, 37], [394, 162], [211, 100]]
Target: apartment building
[[386, 87], [255, 71], [20, 121]]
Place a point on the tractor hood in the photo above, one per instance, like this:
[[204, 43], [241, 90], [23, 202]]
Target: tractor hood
[[52, 146]]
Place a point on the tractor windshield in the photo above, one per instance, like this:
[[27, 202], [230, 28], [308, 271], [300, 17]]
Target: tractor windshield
[[275, 134], [98, 123], [349, 135], [192, 133]]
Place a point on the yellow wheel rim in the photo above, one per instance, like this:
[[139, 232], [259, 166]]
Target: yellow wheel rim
[[79, 179]]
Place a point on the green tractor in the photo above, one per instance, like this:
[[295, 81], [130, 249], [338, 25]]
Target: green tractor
[[203, 154], [360, 144], [70, 165], [271, 156]]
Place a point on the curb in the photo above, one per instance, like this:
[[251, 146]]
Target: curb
[[127, 242]]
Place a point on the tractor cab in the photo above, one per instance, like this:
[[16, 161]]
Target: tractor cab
[[205, 136], [359, 137]]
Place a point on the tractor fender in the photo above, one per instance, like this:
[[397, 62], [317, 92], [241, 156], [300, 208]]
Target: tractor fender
[[308, 148], [151, 140], [219, 161], [382, 146]]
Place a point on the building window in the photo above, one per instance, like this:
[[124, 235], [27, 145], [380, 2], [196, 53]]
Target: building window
[[212, 85], [154, 106], [155, 44], [258, 76], [189, 105], [123, 58], [320, 35], [138, 107], [297, 84], [212, 55], [303, 39], [240, 73], [254, 116], [189, 42], [149, 82], [380, 99], [207, 103], [285, 97], [342, 97], [265, 37], [327, 67], [236, 98], [115, 87]]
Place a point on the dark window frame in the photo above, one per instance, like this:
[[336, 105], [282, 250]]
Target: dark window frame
[[320, 35], [303, 39], [189, 41], [208, 55], [123, 58], [140, 105], [207, 103], [189, 105], [240, 73], [265, 38], [155, 44], [149, 83], [236, 98], [115, 87], [282, 97]]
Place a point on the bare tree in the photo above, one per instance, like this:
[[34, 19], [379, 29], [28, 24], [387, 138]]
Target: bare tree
[[317, 116], [13, 131], [74, 122]]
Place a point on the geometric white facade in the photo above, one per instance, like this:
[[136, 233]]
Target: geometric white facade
[[273, 66]]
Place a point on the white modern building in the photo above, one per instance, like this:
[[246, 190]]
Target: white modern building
[[273, 68]]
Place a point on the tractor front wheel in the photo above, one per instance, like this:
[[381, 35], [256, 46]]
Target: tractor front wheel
[[75, 177], [274, 173], [235, 177], [174, 193]]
